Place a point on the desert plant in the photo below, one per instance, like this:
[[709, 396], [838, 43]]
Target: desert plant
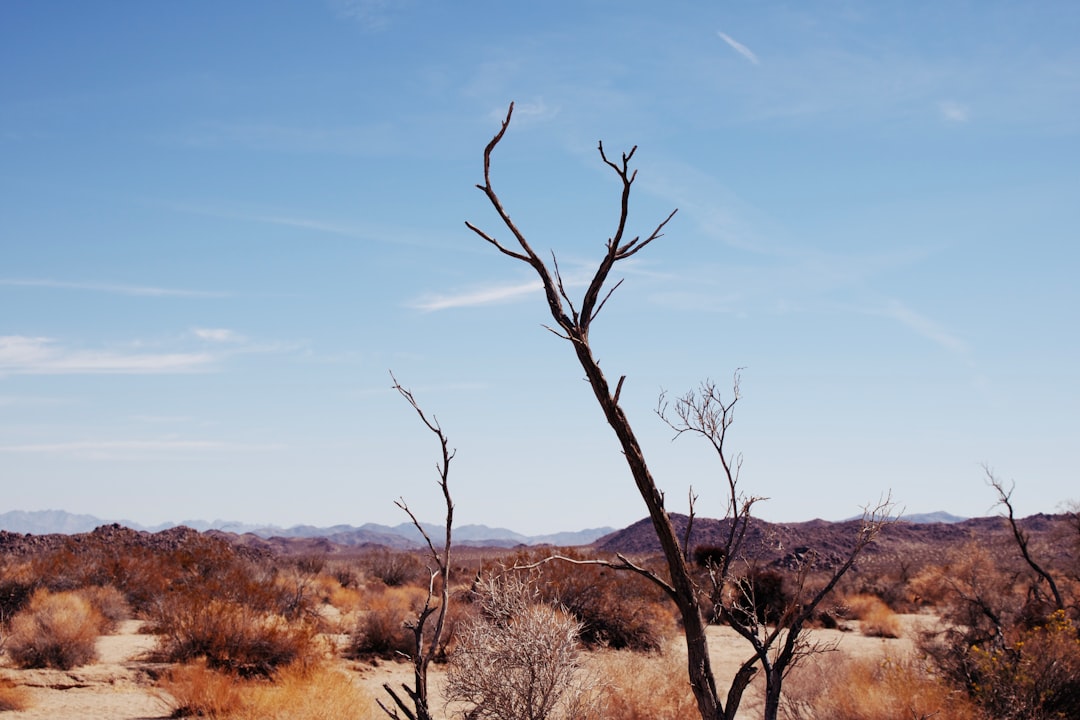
[[877, 619], [108, 601], [393, 567], [13, 697], [1034, 676], [866, 689], [650, 686], [313, 693], [616, 610], [56, 630], [381, 628], [231, 636], [192, 689], [519, 658], [317, 693]]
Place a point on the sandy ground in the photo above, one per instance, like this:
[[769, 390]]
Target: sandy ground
[[120, 685]]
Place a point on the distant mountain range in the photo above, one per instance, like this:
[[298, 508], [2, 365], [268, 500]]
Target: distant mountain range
[[405, 535]]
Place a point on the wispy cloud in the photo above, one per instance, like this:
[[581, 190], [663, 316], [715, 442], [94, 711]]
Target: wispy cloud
[[111, 449], [480, 296], [954, 112], [217, 335], [135, 290], [739, 47], [22, 355], [923, 326], [526, 112], [371, 14]]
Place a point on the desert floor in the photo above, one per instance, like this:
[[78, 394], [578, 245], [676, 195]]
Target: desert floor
[[120, 685]]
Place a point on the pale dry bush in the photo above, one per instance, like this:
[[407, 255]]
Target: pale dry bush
[[56, 630], [877, 618], [12, 697], [645, 686], [519, 659], [832, 688]]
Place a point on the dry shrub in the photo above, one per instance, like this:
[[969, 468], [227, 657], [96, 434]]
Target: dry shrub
[[56, 630], [380, 631], [294, 693], [519, 659], [233, 637], [108, 601], [194, 690], [320, 693], [648, 686], [828, 688], [878, 619], [13, 697], [617, 610], [1036, 676], [393, 567]]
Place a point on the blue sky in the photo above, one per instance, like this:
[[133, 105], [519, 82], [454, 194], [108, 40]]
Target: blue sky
[[221, 225]]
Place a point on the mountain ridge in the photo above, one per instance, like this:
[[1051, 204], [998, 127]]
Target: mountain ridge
[[403, 535]]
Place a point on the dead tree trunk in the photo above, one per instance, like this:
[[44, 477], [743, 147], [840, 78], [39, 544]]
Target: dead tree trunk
[[572, 324]]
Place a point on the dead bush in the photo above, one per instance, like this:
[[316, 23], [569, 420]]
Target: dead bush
[[380, 630], [54, 630], [617, 610], [231, 636], [519, 658], [393, 567]]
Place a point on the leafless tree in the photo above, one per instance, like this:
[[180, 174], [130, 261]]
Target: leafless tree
[[1022, 540], [424, 649], [705, 414]]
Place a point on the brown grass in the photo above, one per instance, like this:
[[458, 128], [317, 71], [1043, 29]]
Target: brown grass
[[55, 630], [12, 697], [828, 688], [295, 693], [877, 618], [645, 686]]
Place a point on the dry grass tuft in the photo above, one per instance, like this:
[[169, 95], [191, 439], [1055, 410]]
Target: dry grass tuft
[[194, 690], [12, 697], [878, 619], [295, 693], [645, 686], [827, 688], [54, 630]]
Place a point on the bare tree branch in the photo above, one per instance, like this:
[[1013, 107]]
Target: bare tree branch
[[1005, 499]]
